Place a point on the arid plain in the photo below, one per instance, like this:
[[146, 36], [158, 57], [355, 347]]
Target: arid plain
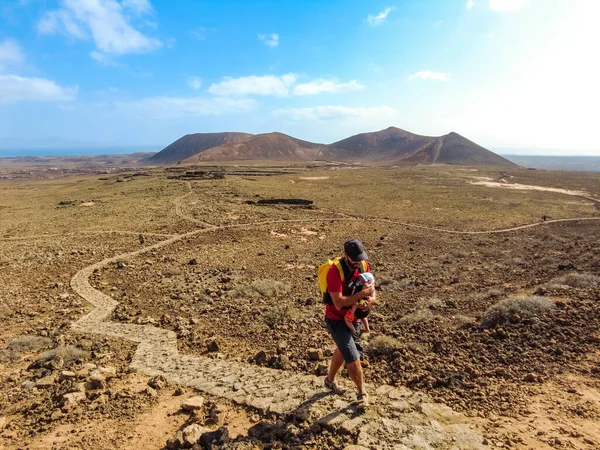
[[123, 295]]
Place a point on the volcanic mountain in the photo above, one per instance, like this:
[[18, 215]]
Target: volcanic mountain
[[396, 146], [191, 144], [389, 146], [269, 146]]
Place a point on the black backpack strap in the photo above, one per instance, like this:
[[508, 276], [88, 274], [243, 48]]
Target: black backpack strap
[[348, 272]]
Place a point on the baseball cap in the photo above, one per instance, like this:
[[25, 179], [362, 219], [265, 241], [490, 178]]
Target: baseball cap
[[367, 277], [355, 250]]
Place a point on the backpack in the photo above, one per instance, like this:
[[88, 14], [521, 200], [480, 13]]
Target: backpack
[[324, 269]]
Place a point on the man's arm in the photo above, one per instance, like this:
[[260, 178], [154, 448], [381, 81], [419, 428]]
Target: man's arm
[[371, 300], [341, 301]]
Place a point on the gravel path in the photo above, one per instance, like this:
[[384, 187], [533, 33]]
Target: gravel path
[[398, 419]]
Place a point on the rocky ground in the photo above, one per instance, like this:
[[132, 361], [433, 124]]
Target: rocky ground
[[249, 295]]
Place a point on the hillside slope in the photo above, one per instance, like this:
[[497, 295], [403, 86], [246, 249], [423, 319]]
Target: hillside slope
[[392, 146], [191, 144], [269, 146], [396, 146]]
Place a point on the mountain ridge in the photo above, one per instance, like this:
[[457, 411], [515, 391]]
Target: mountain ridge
[[391, 146], [194, 143]]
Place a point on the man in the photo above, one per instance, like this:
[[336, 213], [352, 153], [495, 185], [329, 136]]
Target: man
[[339, 299]]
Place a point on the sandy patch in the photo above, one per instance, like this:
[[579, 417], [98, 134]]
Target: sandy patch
[[86, 204], [481, 181], [313, 178]]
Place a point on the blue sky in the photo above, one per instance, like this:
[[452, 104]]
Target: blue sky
[[504, 73]]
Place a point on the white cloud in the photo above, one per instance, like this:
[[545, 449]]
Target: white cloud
[[429, 75], [265, 85], [102, 58], [175, 107], [14, 89], [470, 4], [280, 86], [10, 53], [321, 113], [195, 82], [271, 40], [61, 21], [138, 6], [506, 5], [201, 33], [329, 86], [379, 18], [102, 20]]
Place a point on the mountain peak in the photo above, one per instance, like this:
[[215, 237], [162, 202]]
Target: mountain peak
[[392, 145]]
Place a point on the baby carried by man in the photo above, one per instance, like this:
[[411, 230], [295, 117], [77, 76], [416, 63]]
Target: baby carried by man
[[356, 318]]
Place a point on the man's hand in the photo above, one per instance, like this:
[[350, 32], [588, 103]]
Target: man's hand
[[367, 306], [367, 290]]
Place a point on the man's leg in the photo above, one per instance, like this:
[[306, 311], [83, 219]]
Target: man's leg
[[356, 375], [337, 360]]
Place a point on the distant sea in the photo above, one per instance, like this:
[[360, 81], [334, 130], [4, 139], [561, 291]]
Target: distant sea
[[577, 163], [75, 151]]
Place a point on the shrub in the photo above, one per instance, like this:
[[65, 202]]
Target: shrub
[[278, 315], [28, 342], [491, 293], [431, 302], [5, 311], [7, 356], [407, 283], [517, 261], [384, 280], [433, 265], [67, 353], [508, 309], [577, 280], [420, 315], [263, 288], [383, 344]]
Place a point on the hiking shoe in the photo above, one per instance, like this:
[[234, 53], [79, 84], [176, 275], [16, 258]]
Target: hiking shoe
[[334, 387], [362, 398]]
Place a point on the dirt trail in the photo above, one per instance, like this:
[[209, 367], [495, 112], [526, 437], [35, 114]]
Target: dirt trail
[[403, 417], [268, 389], [179, 208], [42, 236]]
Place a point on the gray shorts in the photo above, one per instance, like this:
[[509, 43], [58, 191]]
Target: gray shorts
[[346, 343]]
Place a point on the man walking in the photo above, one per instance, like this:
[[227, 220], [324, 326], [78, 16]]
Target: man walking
[[338, 299]]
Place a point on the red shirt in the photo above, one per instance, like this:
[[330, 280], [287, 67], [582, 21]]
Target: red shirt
[[334, 284]]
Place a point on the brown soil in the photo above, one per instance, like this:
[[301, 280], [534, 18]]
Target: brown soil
[[531, 383]]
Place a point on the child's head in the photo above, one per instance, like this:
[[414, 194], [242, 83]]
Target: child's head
[[366, 278]]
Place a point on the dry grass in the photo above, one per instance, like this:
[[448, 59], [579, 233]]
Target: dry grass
[[7, 356], [515, 308], [28, 343], [279, 315], [383, 344], [419, 316], [576, 280], [430, 302], [68, 353], [5, 311], [491, 293], [263, 288]]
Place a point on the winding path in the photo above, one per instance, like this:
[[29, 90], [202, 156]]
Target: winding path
[[400, 419], [403, 420]]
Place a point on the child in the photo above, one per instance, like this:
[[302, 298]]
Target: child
[[355, 315]]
